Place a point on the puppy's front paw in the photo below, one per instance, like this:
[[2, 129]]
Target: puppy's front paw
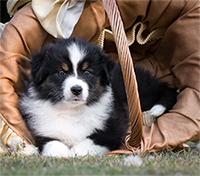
[[56, 149]]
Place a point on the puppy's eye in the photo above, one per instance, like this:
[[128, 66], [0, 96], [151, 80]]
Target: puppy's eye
[[61, 73], [87, 73]]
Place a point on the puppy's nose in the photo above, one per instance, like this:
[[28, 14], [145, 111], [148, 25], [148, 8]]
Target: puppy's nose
[[76, 90]]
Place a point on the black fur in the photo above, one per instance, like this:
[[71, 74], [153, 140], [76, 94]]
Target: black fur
[[151, 89]]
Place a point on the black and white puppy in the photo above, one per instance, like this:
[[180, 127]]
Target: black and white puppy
[[75, 103]]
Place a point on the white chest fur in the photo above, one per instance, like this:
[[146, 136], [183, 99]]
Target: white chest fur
[[70, 126]]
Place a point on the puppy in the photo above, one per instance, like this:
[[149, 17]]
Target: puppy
[[75, 102]]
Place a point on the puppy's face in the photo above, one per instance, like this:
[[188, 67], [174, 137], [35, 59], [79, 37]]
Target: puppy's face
[[71, 71]]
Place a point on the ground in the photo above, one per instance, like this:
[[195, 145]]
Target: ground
[[163, 163]]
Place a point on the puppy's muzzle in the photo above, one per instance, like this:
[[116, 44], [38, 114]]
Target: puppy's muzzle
[[76, 90]]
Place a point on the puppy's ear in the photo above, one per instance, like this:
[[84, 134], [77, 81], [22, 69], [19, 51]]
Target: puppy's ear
[[38, 72], [108, 66]]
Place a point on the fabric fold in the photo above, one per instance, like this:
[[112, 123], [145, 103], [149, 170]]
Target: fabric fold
[[58, 17]]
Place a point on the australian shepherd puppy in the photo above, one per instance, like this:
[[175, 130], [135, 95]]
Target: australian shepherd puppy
[[75, 102]]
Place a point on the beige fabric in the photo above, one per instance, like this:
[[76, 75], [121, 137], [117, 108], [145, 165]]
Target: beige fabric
[[2, 27], [13, 6], [58, 17], [11, 141]]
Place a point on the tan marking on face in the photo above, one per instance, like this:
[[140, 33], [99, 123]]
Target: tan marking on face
[[65, 67], [85, 65]]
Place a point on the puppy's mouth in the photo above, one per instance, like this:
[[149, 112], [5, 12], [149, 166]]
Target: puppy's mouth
[[76, 100]]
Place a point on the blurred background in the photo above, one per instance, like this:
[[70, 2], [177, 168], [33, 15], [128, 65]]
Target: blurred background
[[4, 16]]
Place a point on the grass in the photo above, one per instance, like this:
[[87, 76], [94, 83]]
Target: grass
[[163, 163]]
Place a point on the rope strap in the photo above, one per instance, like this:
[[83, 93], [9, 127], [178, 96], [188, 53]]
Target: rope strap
[[125, 60], [134, 35]]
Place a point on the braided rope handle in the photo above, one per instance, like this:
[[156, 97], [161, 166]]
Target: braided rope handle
[[135, 115]]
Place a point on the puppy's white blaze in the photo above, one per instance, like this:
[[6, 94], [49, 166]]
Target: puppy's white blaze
[[73, 81], [157, 110], [76, 54], [69, 125]]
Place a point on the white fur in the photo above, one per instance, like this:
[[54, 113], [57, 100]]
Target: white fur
[[69, 125], [58, 149], [157, 110], [69, 96], [87, 146], [76, 54]]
